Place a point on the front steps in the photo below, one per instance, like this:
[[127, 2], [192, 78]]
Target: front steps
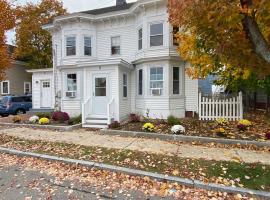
[[91, 122]]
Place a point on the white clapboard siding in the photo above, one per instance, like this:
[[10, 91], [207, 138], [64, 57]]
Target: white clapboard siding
[[211, 108]]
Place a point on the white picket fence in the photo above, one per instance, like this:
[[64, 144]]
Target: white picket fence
[[212, 108]]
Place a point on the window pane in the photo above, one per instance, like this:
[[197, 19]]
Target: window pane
[[156, 29], [140, 82], [116, 50], [176, 80], [156, 40], [71, 82], [156, 81], [115, 41], [140, 39], [100, 82], [124, 79], [87, 46], [100, 92], [5, 88], [71, 46]]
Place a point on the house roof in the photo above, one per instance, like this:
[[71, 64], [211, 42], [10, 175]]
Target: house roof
[[115, 8], [40, 70]]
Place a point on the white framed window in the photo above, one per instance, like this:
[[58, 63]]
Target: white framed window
[[71, 82], [115, 45], [156, 81], [87, 46], [140, 38], [5, 87], [176, 80], [70, 46], [140, 82], [156, 34], [125, 85], [27, 88]]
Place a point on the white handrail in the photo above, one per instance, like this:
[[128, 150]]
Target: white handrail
[[85, 109], [109, 114]]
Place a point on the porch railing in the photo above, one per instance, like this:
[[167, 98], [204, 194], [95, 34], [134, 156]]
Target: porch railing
[[111, 110], [85, 109]]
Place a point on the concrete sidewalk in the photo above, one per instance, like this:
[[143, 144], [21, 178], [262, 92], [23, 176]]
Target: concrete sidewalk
[[86, 138]]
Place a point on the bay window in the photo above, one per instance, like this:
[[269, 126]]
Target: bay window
[[156, 81], [71, 46], [156, 35]]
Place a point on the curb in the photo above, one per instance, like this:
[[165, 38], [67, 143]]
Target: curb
[[183, 138], [48, 127], [135, 172]]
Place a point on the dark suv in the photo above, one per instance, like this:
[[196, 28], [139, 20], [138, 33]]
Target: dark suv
[[14, 105]]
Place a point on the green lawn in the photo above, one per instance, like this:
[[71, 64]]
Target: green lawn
[[253, 176]]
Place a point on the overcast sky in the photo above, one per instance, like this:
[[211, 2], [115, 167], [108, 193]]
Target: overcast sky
[[71, 6]]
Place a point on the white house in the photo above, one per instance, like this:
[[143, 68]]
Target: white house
[[114, 61]]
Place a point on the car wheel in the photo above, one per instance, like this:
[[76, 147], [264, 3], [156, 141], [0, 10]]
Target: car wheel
[[20, 112]]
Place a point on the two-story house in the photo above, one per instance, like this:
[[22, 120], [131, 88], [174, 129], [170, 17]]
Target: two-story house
[[114, 61]]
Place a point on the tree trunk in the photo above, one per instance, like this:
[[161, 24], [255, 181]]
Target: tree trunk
[[260, 44]]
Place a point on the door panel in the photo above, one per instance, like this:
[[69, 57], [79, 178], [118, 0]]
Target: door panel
[[46, 98], [100, 95]]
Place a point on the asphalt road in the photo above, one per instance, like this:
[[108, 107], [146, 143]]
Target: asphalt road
[[17, 183]]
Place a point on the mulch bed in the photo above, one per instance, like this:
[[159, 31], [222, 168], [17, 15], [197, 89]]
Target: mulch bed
[[195, 127]]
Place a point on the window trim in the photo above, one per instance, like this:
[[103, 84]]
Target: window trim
[[2, 91], [116, 36], [125, 85], [66, 37], [67, 82], [24, 87], [91, 47], [140, 39], [154, 23], [163, 88]]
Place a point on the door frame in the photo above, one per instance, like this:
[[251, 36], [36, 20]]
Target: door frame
[[108, 93], [41, 92]]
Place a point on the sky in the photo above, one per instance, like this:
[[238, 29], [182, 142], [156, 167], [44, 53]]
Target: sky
[[71, 6]]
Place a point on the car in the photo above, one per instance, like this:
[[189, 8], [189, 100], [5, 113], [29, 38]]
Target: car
[[15, 105]]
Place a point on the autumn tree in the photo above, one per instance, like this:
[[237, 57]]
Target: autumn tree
[[225, 37], [7, 21], [33, 43]]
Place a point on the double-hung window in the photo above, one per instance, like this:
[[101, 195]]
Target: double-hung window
[[156, 81], [115, 45], [27, 87], [156, 35], [140, 82], [71, 46], [71, 82], [140, 38], [5, 87], [125, 85], [87, 46], [176, 80]]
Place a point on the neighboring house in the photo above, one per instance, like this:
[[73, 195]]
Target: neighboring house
[[114, 61], [17, 80]]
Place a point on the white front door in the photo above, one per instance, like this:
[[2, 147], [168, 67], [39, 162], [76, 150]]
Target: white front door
[[46, 94], [100, 95]]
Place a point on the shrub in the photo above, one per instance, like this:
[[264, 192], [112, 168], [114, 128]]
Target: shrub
[[243, 124], [60, 116], [148, 127], [178, 129], [172, 120], [16, 119], [75, 120], [222, 122], [134, 118], [44, 115], [267, 136], [44, 121], [114, 125], [34, 119]]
